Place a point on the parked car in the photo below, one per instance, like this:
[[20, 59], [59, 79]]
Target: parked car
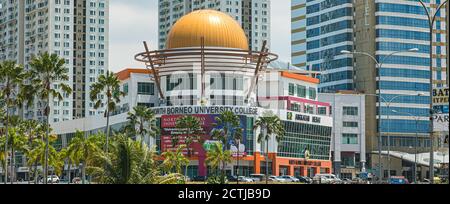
[[326, 179], [199, 178], [346, 181], [245, 179], [290, 178], [76, 180], [304, 179], [232, 178], [53, 179], [277, 179], [258, 177]]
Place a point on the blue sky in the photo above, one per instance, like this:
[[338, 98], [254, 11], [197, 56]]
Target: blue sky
[[133, 21]]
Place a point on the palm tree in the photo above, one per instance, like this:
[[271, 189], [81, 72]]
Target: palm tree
[[227, 122], [192, 128], [83, 149], [175, 160], [48, 75], [32, 129], [109, 85], [270, 125], [37, 155], [128, 162], [142, 122], [217, 157], [11, 79], [17, 142]]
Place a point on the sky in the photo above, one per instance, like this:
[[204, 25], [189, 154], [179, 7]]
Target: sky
[[135, 21]]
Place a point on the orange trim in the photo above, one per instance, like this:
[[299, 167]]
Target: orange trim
[[126, 73], [300, 77]]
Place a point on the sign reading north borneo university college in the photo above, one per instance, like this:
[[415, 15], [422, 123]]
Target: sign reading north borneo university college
[[189, 110]]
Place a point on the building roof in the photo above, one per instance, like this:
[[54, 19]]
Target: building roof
[[126, 73], [218, 30], [422, 159], [300, 77]]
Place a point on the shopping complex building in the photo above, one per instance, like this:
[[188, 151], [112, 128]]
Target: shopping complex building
[[207, 69]]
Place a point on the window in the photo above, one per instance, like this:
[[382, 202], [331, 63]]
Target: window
[[349, 138], [146, 88], [322, 110], [351, 111], [301, 91], [312, 93], [291, 89], [350, 124], [125, 88]]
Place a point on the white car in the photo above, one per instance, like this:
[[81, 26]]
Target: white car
[[277, 179], [326, 179], [53, 179], [245, 179], [290, 178]]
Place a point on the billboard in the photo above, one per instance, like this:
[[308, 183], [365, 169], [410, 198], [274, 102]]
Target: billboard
[[440, 109]]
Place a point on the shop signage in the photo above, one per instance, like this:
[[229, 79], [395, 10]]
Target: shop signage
[[305, 163], [187, 110], [307, 118], [440, 96]]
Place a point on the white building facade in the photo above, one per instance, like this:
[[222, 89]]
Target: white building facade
[[348, 145]]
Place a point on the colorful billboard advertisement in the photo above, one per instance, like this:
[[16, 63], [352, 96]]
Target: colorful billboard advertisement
[[169, 131]]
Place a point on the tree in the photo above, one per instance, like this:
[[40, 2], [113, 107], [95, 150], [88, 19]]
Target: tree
[[109, 85], [191, 128], [217, 157], [142, 122], [17, 142], [128, 162], [175, 160], [83, 148], [41, 153], [270, 125], [11, 79], [226, 124], [48, 77]]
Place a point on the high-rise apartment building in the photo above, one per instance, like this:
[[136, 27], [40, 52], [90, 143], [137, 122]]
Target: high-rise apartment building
[[253, 15], [321, 29], [75, 30]]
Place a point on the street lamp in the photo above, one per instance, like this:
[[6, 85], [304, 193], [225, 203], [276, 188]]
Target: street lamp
[[431, 21], [416, 118], [379, 65]]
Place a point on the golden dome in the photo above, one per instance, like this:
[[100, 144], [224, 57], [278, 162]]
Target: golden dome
[[217, 28]]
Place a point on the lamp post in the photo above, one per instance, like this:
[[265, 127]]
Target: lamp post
[[379, 65], [416, 118], [431, 21]]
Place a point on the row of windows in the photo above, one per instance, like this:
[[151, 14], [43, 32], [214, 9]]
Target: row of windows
[[330, 40], [350, 139], [407, 86], [422, 112], [405, 126], [325, 5], [406, 142], [329, 53], [400, 8], [300, 137], [337, 76], [329, 28], [406, 99], [403, 34], [406, 73], [418, 61], [300, 91], [396, 46], [401, 21], [333, 88], [329, 16], [333, 64]]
